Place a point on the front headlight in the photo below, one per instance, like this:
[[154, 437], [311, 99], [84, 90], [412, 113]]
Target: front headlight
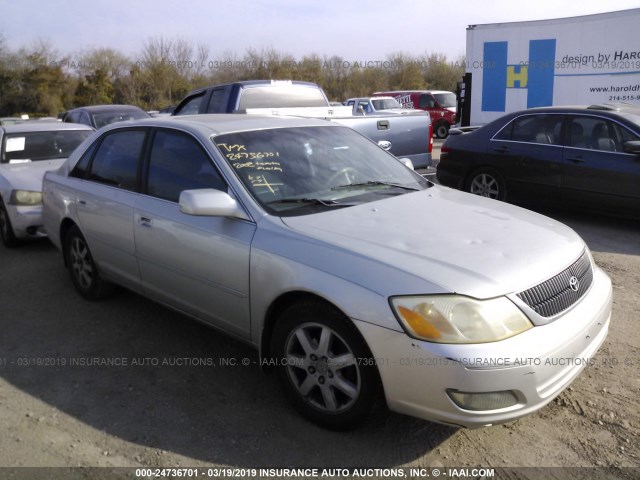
[[25, 197], [458, 319]]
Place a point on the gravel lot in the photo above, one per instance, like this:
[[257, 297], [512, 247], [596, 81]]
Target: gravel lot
[[170, 402]]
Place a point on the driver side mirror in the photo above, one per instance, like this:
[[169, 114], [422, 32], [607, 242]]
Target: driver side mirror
[[407, 163], [632, 147]]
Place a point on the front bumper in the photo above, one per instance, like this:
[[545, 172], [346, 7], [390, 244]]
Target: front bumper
[[26, 221], [535, 366]]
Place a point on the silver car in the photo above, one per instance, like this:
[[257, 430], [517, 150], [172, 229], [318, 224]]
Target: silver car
[[27, 150], [355, 277]]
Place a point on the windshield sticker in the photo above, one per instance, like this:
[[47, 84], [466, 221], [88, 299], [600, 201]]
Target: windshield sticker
[[15, 144]]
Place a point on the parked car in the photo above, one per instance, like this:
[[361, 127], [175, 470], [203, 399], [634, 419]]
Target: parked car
[[376, 106], [27, 150], [300, 237], [580, 157], [440, 104], [97, 116]]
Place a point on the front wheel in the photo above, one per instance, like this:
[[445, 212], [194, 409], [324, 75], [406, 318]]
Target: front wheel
[[487, 182], [9, 239], [82, 269], [322, 365]]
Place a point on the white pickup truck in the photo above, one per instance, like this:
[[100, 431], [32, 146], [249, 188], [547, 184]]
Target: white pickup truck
[[405, 136], [377, 106]]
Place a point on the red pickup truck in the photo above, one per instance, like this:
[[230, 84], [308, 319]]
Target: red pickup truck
[[440, 104]]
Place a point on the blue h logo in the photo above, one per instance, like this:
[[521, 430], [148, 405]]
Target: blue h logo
[[536, 77]]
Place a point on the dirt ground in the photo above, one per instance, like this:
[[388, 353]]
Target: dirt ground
[[169, 402]]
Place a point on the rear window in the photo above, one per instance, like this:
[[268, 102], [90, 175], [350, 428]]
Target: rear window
[[107, 118], [281, 96]]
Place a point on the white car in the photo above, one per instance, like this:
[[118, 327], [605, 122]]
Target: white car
[[354, 276], [27, 150]]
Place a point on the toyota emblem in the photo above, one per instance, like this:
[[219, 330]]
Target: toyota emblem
[[574, 283]]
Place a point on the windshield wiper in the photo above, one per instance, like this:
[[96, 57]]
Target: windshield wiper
[[375, 183], [314, 201]]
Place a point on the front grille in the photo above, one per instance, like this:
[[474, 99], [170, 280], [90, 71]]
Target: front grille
[[556, 294]]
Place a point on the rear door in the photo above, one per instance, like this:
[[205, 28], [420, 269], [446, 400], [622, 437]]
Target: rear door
[[105, 199], [597, 172], [527, 152]]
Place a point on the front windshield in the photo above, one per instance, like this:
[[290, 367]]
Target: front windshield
[[446, 100], [302, 170], [386, 104], [34, 146]]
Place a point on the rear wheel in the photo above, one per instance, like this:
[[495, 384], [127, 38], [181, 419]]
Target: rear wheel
[[82, 269], [9, 239], [321, 365], [487, 182]]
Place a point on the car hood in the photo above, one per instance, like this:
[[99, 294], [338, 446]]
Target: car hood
[[460, 242], [28, 175]]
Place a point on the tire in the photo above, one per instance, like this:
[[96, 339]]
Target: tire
[[442, 130], [7, 236], [488, 183], [324, 375], [82, 269]]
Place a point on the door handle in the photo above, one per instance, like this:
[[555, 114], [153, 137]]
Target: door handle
[[576, 160], [82, 202], [145, 222], [501, 149]]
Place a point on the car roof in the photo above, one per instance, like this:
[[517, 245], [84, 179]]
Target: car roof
[[412, 91], [218, 124], [606, 108], [44, 126], [252, 83]]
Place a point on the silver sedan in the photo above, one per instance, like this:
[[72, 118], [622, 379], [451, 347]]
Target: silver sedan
[[355, 277], [27, 150]]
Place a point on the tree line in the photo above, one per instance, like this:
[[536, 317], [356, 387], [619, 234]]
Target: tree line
[[40, 81]]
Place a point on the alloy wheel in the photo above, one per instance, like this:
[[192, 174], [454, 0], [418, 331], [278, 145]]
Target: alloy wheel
[[322, 367]]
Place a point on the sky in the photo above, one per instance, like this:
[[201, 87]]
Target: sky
[[360, 31]]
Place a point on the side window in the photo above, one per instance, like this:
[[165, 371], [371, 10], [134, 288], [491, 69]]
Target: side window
[[624, 135], [192, 107], [73, 117], [595, 133], [542, 129], [84, 119], [177, 162], [80, 170], [116, 161], [216, 102], [427, 101]]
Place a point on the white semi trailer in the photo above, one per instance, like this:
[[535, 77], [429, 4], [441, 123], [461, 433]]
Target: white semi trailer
[[566, 61]]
